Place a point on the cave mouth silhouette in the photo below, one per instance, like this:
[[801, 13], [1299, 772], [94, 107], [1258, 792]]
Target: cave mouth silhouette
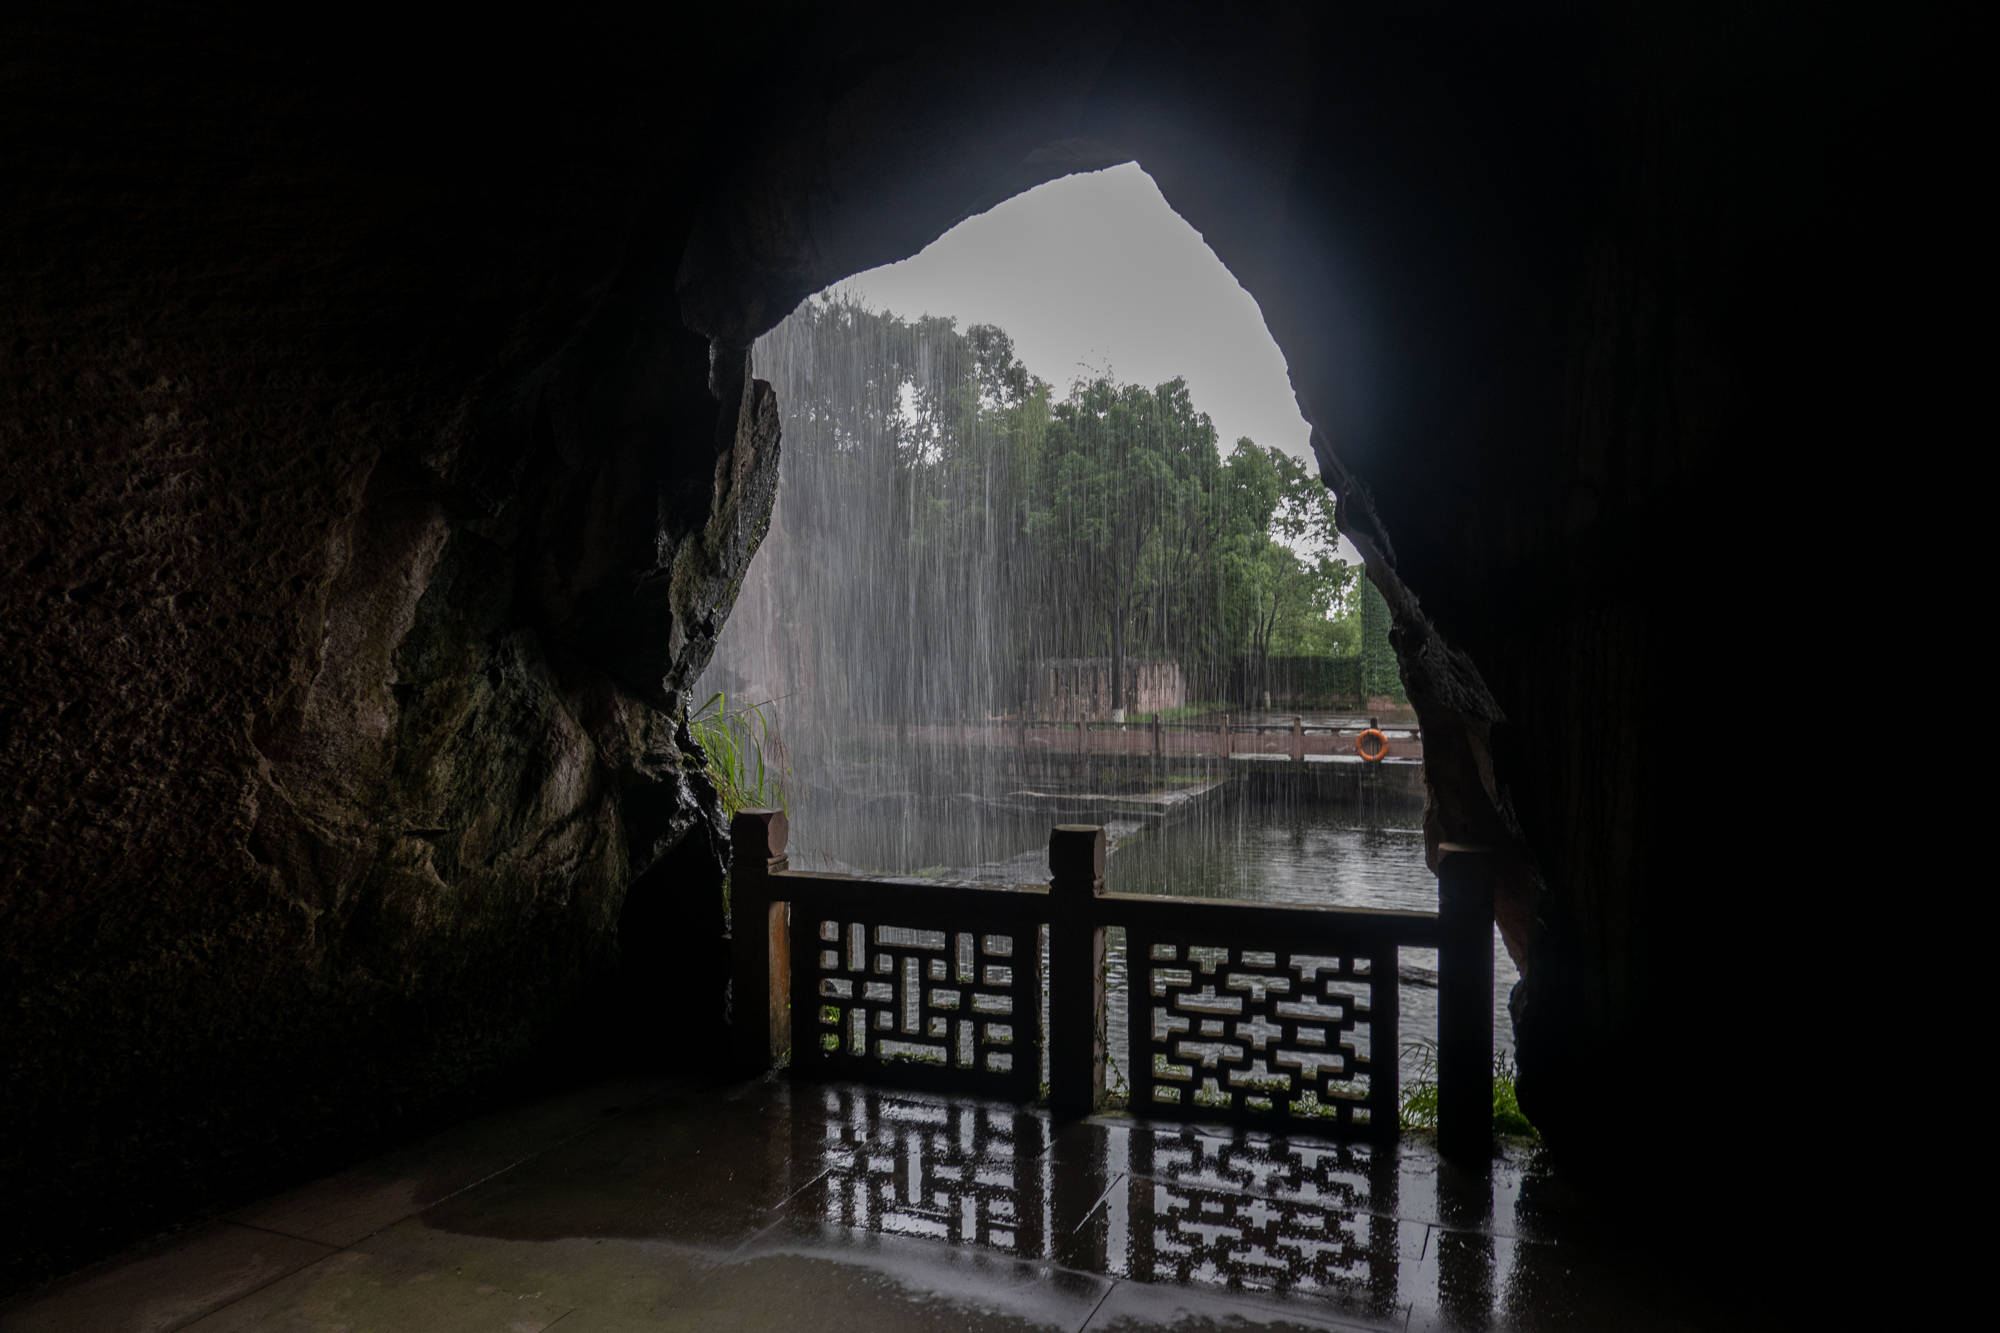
[[1465, 800], [1090, 276]]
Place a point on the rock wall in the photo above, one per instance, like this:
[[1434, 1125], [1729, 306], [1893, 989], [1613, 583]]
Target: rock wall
[[367, 508]]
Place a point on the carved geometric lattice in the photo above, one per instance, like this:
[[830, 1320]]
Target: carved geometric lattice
[[1233, 1032], [954, 1007]]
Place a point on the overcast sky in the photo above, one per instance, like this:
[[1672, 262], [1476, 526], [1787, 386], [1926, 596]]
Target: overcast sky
[[1094, 273]]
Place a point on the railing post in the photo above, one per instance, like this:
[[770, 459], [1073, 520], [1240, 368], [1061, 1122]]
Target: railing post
[[1465, 1004], [1298, 739], [759, 941], [1076, 969], [1159, 737], [1225, 735]]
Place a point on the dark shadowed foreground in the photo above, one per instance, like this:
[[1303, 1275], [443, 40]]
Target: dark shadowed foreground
[[644, 1206]]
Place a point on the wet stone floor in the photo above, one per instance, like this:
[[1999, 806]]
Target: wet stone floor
[[650, 1206]]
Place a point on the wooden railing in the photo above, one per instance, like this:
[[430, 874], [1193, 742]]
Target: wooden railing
[[1237, 1011], [1222, 737]]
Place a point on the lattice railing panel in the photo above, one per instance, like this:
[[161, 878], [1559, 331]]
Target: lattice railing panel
[[1232, 1031], [952, 1006]]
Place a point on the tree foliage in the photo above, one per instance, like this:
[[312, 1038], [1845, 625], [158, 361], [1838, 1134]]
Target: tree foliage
[[953, 520], [1298, 591]]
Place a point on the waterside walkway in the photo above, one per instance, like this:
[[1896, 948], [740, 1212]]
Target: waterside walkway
[[650, 1205], [1238, 737]]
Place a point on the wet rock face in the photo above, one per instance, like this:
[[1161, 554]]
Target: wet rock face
[[366, 515]]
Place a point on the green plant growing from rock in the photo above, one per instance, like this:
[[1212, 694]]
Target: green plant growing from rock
[[734, 742]]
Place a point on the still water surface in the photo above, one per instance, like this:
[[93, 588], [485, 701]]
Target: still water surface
[[1244, 848], [1310, 854]]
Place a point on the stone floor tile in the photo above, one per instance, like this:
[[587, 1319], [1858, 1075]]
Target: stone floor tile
[[350, 1292], [164, 1288], [1193, 1235], [1133, 1306], [342, 1208], [1003, 1221], [1516, 1195], [1356, 1176], [624, 1276], [1475, 1281], [796, 1275], [770, 1204], [698, 1175], [838, 1124], [964, 1173]]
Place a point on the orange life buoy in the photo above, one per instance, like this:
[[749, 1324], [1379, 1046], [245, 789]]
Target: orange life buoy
[[1381, 746]]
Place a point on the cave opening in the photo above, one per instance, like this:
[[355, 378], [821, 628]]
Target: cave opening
[[985, 605]]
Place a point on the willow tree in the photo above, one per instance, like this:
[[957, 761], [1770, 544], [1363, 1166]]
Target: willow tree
[[950, 522], [1129, 518]]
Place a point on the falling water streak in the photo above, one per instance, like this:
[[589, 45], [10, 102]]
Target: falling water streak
[[853, 635]]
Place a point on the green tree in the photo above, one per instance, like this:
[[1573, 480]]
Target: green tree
[[1319, 617], [1128, 516], [1293, 593], [951, 521]]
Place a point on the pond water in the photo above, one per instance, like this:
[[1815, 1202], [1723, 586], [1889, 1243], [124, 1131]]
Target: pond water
[[1298, 853], [1242, 847]]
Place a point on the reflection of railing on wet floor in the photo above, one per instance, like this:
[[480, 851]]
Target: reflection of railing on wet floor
[[1239, 1012], [1158, 1205]]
